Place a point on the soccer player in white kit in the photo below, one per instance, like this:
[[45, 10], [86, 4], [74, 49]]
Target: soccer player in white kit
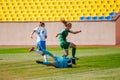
[[41, 34]]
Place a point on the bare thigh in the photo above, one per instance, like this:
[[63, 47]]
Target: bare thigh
[[72, 45]]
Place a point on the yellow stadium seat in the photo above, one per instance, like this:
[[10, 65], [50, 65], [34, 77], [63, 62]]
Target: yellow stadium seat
[[39, 18], [2, 4], [37, 15], [60, 14], [105, 14], [98, 2], [79, 2], [61, 3], [107, 6], [33, 19], [92, 14], [45, 19], [42, 14], [52, 10], [86, 2], [13, 15], [56, 18], [23, 12], [110, 2], [68, 18], [93, 6], [116, 10], [2, 19], [78, 14], [20, 4], [76, 18], [21, 19], [99, 14], [54, 3], [87, 6], [19, 15], [100, 6], [14, 19], [14, 3], [91, 2], [8, 19], [54, 15], [1, 12], [50, 18], [1, 1], [48, 3]]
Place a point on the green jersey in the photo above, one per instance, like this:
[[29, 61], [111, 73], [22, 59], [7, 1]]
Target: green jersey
[[62, 38], [63, 35]]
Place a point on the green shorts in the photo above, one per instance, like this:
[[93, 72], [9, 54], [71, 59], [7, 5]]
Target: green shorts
[[65, 45]]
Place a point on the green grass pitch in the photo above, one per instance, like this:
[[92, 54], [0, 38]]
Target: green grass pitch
[[95, 63]]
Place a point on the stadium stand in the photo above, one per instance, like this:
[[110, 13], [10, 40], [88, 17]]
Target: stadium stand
[[53, 10]]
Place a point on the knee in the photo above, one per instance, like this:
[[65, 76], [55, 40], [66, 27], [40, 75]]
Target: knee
[[73, 45]]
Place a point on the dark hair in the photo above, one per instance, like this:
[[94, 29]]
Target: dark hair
[[41, 23]]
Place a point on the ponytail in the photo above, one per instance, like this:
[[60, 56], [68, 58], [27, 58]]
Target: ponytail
[[64, 22]]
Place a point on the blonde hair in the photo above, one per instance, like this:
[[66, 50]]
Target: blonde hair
[[65, 22]]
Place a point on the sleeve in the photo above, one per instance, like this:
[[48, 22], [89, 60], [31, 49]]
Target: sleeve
[[62, 31], [35, 29]]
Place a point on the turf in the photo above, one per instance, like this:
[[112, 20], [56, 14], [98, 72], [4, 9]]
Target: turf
[[95, 63]]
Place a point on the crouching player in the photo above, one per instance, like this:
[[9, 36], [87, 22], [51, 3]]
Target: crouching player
[[59, 62]]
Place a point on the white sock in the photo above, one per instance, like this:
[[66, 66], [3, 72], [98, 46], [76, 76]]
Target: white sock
[[38, 51], [45, 58]]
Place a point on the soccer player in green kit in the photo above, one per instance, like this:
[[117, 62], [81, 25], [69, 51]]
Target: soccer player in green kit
[[64, 44]]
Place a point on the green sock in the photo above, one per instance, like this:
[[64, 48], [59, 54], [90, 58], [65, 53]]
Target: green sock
[[73, 52]]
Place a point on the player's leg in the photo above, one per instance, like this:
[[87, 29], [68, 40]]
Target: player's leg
[[65, 47], [45, 58], [42, 52], [66, 52], [73, 46], [43, 45], [45, 63]]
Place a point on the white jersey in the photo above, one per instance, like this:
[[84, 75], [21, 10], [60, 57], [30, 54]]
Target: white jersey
[[41, 33]]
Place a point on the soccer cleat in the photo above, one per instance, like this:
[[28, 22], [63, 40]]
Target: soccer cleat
[[73, 61], [39, 62], [32, 49]]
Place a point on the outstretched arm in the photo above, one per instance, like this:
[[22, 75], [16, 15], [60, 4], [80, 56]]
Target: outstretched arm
[[31, 35], [46, 63], [45, 34], [75, 32], [57, 34]]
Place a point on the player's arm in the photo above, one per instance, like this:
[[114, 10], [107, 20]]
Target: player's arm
[[45, 34], [57, 34], [52, 64], [31, 35], [75, 32], [46, 63]]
